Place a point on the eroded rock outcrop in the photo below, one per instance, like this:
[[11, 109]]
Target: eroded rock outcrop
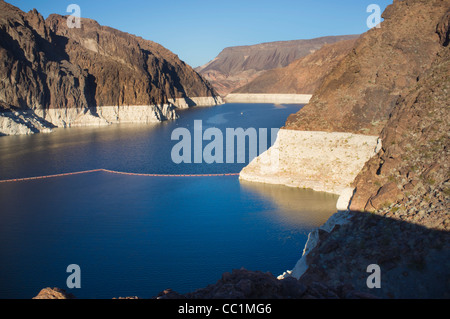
[[54, 293], [362, 94], [65, 76]]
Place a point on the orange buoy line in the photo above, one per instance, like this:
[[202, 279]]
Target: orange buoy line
[[171, 175], [114, 172], [48, 176]]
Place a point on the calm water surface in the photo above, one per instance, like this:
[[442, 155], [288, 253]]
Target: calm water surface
[[136, 235]]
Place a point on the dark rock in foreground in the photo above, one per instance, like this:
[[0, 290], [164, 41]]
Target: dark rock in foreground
[[246, 284]]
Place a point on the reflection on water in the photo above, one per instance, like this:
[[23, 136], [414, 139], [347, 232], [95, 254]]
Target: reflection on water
[[294, 206], [78, 149], [138, 148], [135, 235], [218, 119]]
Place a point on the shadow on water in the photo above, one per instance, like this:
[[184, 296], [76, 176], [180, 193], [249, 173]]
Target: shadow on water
[[134, 235], [138, 236]]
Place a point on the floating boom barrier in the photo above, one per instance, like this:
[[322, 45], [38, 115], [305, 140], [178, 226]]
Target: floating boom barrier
[[114, 172]]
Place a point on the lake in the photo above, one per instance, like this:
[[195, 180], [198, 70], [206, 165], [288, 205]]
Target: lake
[[138, 235]]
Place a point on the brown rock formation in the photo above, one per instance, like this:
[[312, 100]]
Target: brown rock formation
[[360, 93], [234, 67], [303, 76], [46, 65], [54, 293], [416, 146], [35, 70], [128, 70], [406, 186]]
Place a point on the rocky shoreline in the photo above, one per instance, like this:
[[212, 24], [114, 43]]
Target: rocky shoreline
[[43, 121], [322, 161], [243, 284], [268, 98]]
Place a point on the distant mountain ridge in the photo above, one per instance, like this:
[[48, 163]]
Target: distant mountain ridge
[[303, 76], [236, 66]]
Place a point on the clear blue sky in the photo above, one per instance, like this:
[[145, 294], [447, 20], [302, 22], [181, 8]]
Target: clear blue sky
[[197, 30]]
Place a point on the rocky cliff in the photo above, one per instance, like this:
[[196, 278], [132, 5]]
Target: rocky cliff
[[361, 92], [394, 84], [65, 75], [234, 67], [414, 160]]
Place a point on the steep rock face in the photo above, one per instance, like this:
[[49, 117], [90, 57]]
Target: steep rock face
[[35, 71], [64, 76], [415, 157], [303, 76], [406, 186], [236, 66], [360, 93], [128, 70]]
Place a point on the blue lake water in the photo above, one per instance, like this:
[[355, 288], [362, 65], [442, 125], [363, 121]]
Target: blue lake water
[[134, 235]]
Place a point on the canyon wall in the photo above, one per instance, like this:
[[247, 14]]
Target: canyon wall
[[363, 89], [71, 76], [394, 84], [361, 92]]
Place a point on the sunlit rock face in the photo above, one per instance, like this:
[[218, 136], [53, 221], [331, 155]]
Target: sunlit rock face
[[66, 75]]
